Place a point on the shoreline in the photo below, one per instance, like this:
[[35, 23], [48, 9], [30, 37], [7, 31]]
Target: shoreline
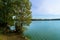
[[45, 19]]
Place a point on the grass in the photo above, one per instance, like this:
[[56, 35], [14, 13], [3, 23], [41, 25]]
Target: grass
[[13, 37]]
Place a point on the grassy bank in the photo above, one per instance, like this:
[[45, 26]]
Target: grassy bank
[[12, 37]]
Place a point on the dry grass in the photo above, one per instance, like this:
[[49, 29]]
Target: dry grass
[[12, 37]]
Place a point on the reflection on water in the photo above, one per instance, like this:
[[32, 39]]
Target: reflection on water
[[44, 30]]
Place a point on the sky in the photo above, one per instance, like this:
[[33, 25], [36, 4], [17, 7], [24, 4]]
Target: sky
[[45, 8]]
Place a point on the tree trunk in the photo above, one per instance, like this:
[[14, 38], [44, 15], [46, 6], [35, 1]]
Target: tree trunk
[[19, 28]]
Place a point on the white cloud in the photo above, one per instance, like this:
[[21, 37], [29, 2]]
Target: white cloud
[[48, 7]]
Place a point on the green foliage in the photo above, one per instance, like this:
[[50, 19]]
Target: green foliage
[[6, 12], [18, 8], [23, 13]]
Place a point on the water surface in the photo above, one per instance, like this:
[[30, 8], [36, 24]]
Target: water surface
[[44, 30]]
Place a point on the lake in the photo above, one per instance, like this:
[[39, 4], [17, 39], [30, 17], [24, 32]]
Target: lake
[[44, 30]]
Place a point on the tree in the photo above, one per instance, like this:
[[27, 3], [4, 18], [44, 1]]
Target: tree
[[23, 15], [18, 8], [6, 14], [6, 11]]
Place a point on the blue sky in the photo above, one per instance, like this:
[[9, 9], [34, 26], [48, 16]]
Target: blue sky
[[45, 8]]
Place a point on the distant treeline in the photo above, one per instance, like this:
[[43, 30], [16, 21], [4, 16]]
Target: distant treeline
[[44, 19]]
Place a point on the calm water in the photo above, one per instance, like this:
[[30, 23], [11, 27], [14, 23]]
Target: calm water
[[44, 30]]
